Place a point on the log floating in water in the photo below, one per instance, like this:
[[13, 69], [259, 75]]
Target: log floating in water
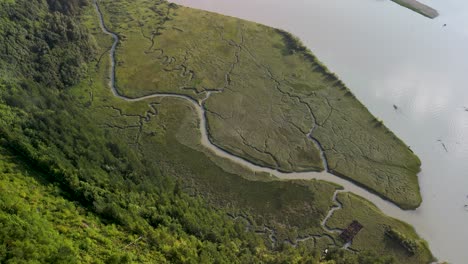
[[418, 7]]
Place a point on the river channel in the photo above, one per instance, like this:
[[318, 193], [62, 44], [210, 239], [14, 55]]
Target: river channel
[[410, 71]]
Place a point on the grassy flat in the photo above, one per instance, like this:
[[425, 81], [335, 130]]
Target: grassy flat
[[91, 178], [374, 232], [266, 94], [166, 130], [291, 209]]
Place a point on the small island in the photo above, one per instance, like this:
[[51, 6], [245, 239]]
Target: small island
[[418, 7]]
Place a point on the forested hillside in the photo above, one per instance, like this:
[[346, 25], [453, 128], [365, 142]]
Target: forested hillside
[[74, 192]]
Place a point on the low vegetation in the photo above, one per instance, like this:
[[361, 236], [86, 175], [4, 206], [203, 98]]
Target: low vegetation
[[88, 178], [413, 246], [386, 235], [252, 77]]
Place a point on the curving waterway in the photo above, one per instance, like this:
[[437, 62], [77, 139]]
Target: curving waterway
[[384, 205], [316, 23], [388, 55]]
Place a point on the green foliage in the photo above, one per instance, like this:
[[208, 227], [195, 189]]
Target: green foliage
[[376, 235], [340, 256], [280, 90], [292, 43], [411, 245], [47, 47], [72, 191], [67, 7], [38, 224], [51, 131]]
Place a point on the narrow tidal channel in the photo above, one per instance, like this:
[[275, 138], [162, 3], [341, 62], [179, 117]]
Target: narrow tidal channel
[[388, 208]]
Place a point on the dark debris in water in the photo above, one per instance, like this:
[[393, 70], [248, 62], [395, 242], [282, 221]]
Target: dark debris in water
[[466, 205], [443, 145]]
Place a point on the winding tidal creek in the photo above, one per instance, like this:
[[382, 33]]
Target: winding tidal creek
[[408, 70], [389, 55]]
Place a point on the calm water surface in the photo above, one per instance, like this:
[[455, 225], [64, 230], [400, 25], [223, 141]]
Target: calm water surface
[[388, 56]]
